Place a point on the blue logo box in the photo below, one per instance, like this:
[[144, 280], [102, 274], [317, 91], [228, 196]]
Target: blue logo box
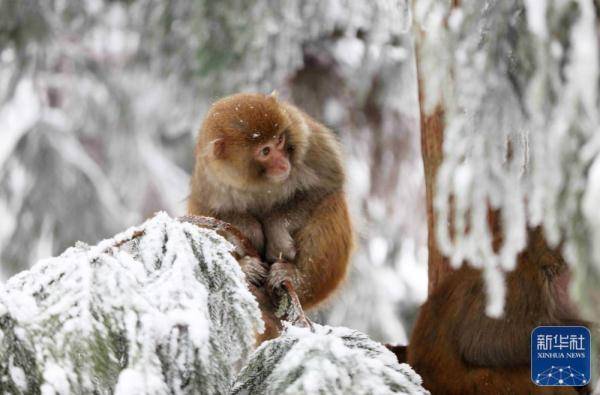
[[560, 356]]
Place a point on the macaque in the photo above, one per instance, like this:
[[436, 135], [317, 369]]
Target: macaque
[[458, 349], [276, 174]]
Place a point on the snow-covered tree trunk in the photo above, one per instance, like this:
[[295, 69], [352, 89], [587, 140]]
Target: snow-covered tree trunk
[[511, 137], [509, 116], [432, 136]]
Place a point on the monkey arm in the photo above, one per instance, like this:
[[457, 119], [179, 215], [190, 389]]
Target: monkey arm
[[245, 222], [248, 225], [279, 242], [323, 247], [284, 220]]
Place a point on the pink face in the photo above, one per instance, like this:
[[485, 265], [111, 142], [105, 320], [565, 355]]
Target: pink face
[[273, 157]]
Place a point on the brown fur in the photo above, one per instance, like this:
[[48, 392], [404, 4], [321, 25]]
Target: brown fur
[[303, 220], [457, 349], [324, 244]]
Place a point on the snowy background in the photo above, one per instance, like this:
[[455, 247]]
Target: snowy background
[[100, 102]]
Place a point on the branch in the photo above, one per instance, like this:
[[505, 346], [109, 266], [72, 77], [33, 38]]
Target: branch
[[277, 306]]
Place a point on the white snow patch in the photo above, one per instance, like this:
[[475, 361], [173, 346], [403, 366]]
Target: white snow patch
[[17, 374], [536, 16]]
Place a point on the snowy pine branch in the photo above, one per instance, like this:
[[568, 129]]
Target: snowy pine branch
[[325, 360], [162, 308]]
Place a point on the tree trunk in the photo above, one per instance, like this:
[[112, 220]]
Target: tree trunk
[[432, 137]]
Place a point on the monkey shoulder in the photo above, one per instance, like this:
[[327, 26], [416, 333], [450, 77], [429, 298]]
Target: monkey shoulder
[[325, 161]]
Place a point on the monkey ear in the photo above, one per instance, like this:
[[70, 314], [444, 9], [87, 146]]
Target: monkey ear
[[218, 148]]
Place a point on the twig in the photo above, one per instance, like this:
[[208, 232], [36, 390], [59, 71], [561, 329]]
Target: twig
[[294, 312]]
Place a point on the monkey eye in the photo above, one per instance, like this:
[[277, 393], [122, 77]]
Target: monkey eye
[[265, 151]]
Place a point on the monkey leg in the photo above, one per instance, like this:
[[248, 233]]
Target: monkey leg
[[323, 247]]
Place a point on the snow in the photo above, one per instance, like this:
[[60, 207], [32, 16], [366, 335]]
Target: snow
[[590, 205], [536, 16], [131, 382], [496, 288], [17, 375], [350, 50], [329, 360], [378, 249], [150, 309], [410, 266], [55, 380]]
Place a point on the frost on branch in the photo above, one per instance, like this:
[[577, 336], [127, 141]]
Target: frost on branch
[[159, 308], [327, 361], [518, 81]]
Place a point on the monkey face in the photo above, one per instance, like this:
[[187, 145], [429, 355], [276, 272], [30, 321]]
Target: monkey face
[[251, 140], [273, 157]]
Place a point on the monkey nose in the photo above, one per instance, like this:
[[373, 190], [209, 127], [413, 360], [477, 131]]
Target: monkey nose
[[280, 172], [283, 166]]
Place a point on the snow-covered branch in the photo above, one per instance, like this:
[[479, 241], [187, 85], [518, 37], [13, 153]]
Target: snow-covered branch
[[160, 308], [325, 361]]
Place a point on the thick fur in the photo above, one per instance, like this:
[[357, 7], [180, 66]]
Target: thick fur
[[323, 245], [303, 220], [457, 349]]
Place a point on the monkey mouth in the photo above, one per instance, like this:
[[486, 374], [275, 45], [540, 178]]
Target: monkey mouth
[[279, 176]]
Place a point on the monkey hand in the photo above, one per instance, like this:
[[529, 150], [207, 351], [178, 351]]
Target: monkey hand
[[280, 245], [255, 270], [280, 272]]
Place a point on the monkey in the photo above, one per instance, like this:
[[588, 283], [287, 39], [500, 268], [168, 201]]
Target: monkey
[[458, 349], [276, 174]]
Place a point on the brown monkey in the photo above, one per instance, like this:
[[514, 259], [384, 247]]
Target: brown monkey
[[457, 349], [276, 174]]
